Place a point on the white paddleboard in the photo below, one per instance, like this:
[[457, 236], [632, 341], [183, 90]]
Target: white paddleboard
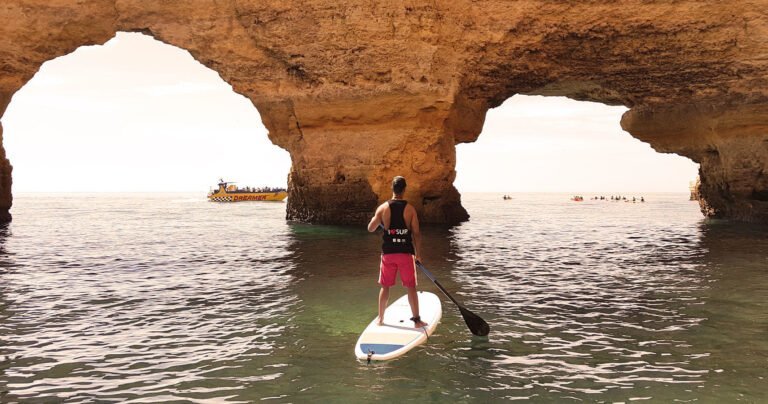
[[397, 335]]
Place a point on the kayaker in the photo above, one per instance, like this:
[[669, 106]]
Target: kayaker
[[400, 249]]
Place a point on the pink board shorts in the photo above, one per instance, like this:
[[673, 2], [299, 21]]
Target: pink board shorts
[[391, 264]]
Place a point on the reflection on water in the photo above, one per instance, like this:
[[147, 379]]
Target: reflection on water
[[157, 298]]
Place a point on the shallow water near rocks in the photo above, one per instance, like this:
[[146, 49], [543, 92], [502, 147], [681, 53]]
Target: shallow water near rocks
[[147, 298]]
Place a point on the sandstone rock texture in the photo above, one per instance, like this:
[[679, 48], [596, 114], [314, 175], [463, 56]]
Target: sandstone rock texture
[[359, 91]]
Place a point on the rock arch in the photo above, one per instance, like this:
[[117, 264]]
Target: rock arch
[[358, 92]]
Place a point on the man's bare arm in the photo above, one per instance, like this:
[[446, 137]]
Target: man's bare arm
[[416, 231], [376, 220]]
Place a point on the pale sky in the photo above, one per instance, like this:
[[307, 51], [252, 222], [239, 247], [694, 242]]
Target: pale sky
[[554, 144], [136, 115]]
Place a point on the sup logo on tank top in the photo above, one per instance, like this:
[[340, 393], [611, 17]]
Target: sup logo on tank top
[[398, 236]]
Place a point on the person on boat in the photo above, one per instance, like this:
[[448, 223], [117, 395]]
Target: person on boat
[[400, 250]]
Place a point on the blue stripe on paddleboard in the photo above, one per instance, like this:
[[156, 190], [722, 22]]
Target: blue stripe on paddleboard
[[380, 349]]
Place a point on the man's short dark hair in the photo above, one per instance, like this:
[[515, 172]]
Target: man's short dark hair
[[398, 185]]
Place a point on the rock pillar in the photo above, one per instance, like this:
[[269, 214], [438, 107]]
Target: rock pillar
[[6, 199], [346, 152], [729, 142]]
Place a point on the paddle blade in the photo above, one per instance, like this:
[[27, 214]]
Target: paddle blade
[[476, 325]]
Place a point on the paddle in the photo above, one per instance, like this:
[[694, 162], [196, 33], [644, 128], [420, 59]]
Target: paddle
[[476, 325]]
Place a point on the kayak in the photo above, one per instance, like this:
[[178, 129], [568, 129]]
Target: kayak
[[397, 335]]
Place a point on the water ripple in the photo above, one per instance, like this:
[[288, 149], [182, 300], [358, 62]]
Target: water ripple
[[170, 298]]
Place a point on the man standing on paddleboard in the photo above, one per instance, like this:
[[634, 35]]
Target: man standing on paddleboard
[[400, 249]]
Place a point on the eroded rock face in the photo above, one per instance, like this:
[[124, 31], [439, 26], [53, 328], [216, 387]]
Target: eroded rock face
[[6, 199], [730, 144], [358, 92]]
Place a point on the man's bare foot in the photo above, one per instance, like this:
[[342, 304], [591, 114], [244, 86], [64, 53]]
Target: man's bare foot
[[417, 323], [380, 322]]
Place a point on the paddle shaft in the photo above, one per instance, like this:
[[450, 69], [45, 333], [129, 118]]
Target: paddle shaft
[[437, 283]]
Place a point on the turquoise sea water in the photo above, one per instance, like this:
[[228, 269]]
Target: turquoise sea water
[[163, 298]]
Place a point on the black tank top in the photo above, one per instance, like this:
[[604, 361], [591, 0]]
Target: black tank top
[[397, 239]]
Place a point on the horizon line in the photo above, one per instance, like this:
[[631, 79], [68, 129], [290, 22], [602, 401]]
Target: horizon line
[[586, 193]]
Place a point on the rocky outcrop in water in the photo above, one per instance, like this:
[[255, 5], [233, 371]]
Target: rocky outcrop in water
[[358, 91], [6, 199]]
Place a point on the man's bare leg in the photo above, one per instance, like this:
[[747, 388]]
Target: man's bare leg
[[383, 298], [413, 299]]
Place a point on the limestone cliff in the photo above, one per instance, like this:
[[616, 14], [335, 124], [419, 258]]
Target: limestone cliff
[[6, 199], [359, 91]]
